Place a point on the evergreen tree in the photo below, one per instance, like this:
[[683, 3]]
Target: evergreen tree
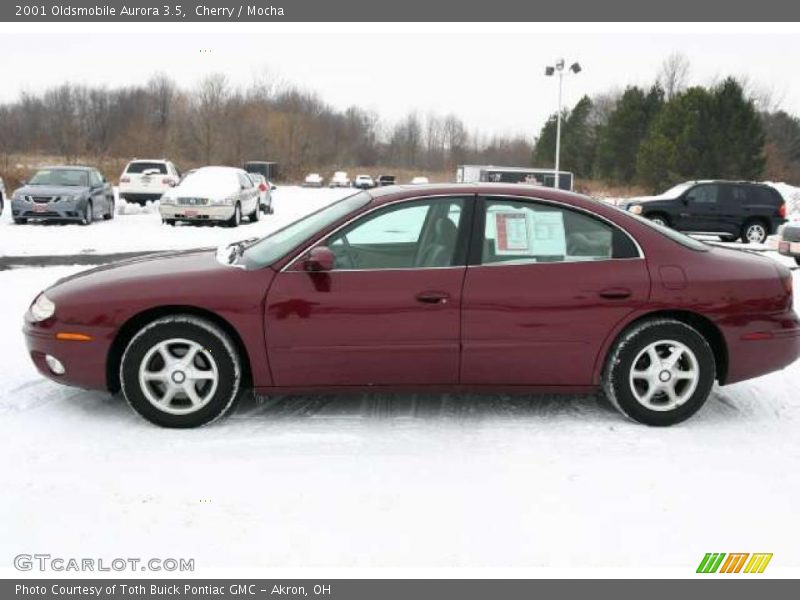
[[627, 126], [703, 134]]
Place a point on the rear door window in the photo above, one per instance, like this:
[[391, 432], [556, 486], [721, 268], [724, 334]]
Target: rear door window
[[521, 232]]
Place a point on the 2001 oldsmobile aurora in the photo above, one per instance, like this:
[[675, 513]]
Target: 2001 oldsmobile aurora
[[441, 287]]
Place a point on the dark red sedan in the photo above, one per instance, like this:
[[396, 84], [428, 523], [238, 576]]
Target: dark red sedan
[[441, 287]]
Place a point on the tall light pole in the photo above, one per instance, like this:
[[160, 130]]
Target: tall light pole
[[549, 71]]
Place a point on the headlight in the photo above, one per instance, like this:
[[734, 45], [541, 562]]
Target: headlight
[[635, 209], [42, 308]]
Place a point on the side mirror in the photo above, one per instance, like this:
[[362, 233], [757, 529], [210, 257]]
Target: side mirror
[[319, 259], [685, 199], [273, 187]]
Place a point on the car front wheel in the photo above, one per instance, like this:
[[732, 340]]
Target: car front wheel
[[659, 220], [181, 371], [236, 219], [88, 214], [660, 372]]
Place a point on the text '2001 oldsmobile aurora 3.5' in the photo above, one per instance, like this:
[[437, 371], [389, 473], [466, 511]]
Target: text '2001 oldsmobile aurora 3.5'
[[432, 288]]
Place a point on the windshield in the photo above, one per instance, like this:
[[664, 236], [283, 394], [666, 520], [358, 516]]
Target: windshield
[[280, 243], [67, 177], [677, 190]]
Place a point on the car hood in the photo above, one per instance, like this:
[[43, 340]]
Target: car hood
[[644, 199], [170, 267], [51, 190]]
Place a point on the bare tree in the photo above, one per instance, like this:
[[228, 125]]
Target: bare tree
[[673, 76]]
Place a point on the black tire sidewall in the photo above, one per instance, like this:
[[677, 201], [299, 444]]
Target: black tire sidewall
[[616, 380], [212, 339]]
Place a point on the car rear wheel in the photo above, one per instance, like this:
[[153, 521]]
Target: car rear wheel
[[20, 221], [660, 372], [88, 214], [181, 371], [754, 232]]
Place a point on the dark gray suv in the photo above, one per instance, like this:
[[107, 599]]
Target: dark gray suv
[[64, 193], [729, 209]]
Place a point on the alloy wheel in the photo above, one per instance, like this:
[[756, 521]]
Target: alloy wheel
[[664, 375], [178, 376]]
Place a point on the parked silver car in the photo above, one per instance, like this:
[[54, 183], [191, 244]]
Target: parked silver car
[[212, 195], [64, 193]]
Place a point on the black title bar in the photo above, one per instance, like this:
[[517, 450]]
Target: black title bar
[[399, 11]]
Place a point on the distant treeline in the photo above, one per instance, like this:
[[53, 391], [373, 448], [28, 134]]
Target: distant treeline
[[670, 132], [215, 123]]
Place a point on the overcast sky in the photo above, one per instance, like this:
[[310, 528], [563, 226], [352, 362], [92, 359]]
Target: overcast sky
[[495, 82]]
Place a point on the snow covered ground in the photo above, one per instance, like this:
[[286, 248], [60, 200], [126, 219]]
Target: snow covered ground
[[370, 481]]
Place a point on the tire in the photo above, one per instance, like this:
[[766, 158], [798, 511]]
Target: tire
[[236, 219], [628, 378], [659, 219], [755, 232], [20, 221], [255, 216], [797, 260], [160, 392], [88, 214], [170, 222], [110, 214], [727, 238]]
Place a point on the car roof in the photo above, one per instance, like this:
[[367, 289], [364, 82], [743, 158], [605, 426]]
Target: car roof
[[68, 167], [396, 192]]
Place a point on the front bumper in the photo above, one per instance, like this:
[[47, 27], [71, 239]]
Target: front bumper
[[84, 361], [63, 209], [178, 212]]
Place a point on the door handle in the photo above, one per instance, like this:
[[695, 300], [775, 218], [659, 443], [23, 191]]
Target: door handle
[[616, 293], [433, 297]]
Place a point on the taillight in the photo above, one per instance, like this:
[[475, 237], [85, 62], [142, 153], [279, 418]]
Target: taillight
[[124, 179], [262, 187], [782, 210]]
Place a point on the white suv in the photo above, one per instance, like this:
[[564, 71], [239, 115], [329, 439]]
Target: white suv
[[144, 180]]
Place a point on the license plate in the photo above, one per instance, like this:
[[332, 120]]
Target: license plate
[[40, 208], [794, 247], [191, 213]]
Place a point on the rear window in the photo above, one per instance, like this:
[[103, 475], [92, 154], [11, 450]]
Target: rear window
[[141, 167]]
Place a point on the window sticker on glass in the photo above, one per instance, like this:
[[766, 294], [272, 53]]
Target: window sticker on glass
[[549, 237], [513, 233]]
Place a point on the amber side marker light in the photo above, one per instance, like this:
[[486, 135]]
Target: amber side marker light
[[73, 337]]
